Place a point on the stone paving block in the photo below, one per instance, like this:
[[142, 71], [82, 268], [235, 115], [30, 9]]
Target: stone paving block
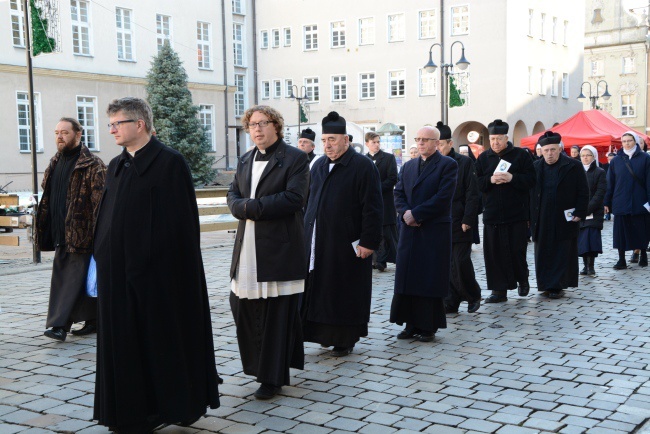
[[480, 425], [239, 428], [277, 423], [383, 418], [315, 418], [516, 430], [11, 429], [445, 419], [372, 428], [439, 429], [411, 424], [540, 405], [286, 412], [304, 428], [507, 418], [543, 424], [71, 425], [580, 421], [213, 424], [247, 417], [344, 423], [19, 416]]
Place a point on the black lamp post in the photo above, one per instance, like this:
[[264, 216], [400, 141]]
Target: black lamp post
[[462, 64], [594, 98], [303, 95]]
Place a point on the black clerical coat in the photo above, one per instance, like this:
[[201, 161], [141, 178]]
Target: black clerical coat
[[345, 206], [464, 208], [424, 252], [155, 354], [387, 167]]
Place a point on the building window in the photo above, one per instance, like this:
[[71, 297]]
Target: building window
[[265, 39], [240, 94], [277, 88], [311, 37], [339, 88], [554, 31], [531, 14], [596, 68], [367, 85], [288, 88], [396, 28], [427, 24], [542, 82], [565, 33], [565, 85], [17, 23], [22, 101], [427, 83], [237, 7], [124, 34], [163, 29], [396, 83], [275, 38], [628, 106], [403, 128], [338, 34], [554, 83], [87, 116], [206, 116], [238, 43], [460, 20], [313, 89], [266, 89], [530, 79], [366, 31], [628, 65], [287, 37], [80, 27], [542, 24], [203, 44]]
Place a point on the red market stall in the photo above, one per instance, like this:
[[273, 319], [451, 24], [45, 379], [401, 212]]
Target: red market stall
[[591, 127]]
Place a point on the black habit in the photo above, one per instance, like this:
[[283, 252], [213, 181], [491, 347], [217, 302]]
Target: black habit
[[155, 354], [590, 242], [560, 186], [344, 206], [387, 166]]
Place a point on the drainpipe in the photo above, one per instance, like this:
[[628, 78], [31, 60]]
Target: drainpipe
[[225, 82], [254, 3]]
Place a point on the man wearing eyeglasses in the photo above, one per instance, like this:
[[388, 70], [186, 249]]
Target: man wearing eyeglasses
[[423, 198], [65, 219], [505, 176], [155, 353], [343, 226]]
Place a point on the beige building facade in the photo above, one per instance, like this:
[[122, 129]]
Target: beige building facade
[[105, 53], [365, 60]]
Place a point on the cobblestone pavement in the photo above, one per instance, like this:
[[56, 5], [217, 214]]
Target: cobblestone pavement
[[531, 365]]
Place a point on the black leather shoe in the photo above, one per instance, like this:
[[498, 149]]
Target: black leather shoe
[[341, 351], [584, 271], [620, 265], [496, 298], [451, 309], [591, 272], [425, 336], [634, 258], [473, 306], [643, 262], [554, 294], [56, 333], [407, 333], [85, 330], [267, 391], [381, 267], [524, 289]]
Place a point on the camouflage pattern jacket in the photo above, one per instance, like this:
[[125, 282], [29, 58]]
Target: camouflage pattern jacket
[[82, 204]]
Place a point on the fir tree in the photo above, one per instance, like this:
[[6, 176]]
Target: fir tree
[[454, 96], [174, 115], [41, 43]]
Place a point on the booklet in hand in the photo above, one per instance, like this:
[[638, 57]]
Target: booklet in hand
[[502, 167]]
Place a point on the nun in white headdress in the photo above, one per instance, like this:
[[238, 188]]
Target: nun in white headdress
[[590, 242]]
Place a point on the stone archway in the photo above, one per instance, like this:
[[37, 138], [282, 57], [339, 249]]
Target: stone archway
[[460, 134], [519, 132], [538, 128]]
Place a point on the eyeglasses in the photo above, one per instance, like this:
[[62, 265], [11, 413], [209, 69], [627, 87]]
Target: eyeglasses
[[424, 139], [260, 124], [117, 124]]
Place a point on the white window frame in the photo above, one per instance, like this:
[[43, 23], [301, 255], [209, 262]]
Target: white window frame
[[337, 34], [404, 141], [207, 111], [238, 7], [277, 89], [312, 87], [427, 83], [367, 85], [204, 45], [396, 29], [530, 80], [266, 89], [264, 39], [565, 33], [310, 33], [275, 38], [240, 95], [239, 57], [542, 24], [542, 82], [87, 105], [459, 30], [394, 78], [628, 64], [340, 86], [367, 24], [427, 21], [565, 85], [286, 37], [163, 30], [22, 105], [596, 68], [553, 83], [81, 30], [125, 34], [554, 31], [531, 17], [288, 87], [17, 23], [628, 108]]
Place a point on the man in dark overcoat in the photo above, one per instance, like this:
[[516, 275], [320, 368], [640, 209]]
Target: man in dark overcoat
[[505, 176], [423, 198], [387, 166], [559, 201], [343, 223], [269, 262], [464, 213], [155, 354], [65, 220]]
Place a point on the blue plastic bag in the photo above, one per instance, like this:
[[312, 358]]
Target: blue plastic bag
[[91, 280]]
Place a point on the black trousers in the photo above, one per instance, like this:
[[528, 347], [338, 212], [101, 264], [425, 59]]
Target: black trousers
[[504, 248], [463, 285]]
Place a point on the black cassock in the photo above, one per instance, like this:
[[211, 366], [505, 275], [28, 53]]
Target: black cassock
[[155, 355]]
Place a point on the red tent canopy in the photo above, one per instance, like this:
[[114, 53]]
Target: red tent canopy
[[592, 127]]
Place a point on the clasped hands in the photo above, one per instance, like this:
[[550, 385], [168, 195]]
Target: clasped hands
[[501, 178]]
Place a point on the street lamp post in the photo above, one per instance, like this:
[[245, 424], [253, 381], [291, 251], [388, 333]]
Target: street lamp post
[[462, 64], [303, 95], [594, 98]]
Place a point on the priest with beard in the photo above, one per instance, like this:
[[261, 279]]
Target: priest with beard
[[559, 201]]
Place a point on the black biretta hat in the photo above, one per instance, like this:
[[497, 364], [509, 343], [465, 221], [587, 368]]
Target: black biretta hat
[[333, 124], [498, 127], [445, 131], [307, 133], [549, 138]]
